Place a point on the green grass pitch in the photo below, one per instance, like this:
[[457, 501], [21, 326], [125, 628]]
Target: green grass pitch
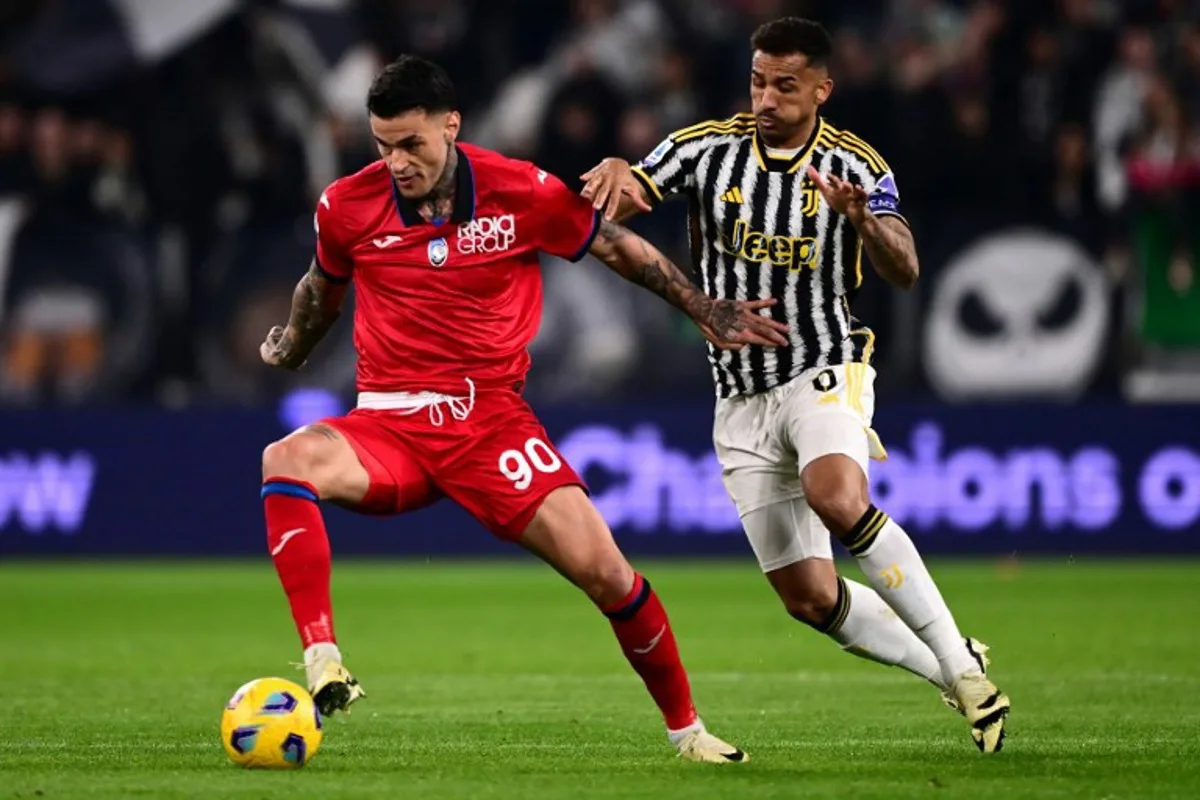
[[499, 681]]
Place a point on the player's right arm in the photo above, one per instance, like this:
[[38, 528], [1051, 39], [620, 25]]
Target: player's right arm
[[619, 189], [317, 298], [316, 305], [727, 324]]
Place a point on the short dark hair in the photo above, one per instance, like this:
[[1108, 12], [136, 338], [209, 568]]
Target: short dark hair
[[788, 35], [410, 83]]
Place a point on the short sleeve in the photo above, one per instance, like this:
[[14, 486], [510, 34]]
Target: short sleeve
[[670, 168], [333, 254], [566, 222]]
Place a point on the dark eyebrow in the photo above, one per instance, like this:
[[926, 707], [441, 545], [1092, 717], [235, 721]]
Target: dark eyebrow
[[405, 142]]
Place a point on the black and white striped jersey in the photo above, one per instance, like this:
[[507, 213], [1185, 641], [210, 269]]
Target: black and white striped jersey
[[760, 228]]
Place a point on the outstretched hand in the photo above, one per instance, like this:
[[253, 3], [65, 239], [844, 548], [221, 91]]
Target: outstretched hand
[[842, 196], [608, 182], [733, 324]]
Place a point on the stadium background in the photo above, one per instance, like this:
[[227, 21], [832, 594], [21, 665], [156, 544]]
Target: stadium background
[[159, 163]]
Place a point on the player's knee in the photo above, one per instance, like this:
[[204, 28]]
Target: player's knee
[[811, 604], [838, 495], [298, 456], [606, 581]]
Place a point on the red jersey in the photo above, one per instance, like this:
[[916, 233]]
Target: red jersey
[[437, 304]]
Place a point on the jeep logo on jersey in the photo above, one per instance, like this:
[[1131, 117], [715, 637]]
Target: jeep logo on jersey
[[793, 252], [487, 234], [438, 250]]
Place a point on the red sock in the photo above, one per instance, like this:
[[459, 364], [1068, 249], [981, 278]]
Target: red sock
[[641, 625], [298, 544]]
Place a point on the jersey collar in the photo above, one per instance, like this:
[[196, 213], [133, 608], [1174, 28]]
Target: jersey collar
[[787, 164], [464, 196]]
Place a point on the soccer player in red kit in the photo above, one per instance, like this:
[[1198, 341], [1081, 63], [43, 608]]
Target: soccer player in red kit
[[441, 241]]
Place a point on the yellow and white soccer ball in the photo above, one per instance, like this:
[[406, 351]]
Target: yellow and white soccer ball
[[271, 723]]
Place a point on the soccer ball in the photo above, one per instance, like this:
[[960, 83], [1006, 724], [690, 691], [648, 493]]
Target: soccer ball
[[271, 723]]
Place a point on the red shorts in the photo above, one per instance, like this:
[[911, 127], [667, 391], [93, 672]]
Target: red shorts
[[498, 463]]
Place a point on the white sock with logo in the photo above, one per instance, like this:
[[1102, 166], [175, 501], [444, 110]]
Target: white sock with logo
[[894, 568], [872, 631]]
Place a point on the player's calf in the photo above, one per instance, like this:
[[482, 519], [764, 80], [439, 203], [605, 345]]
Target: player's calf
[[571, 536], [298, 472], [810, 592], [836, 488], [852, 615]]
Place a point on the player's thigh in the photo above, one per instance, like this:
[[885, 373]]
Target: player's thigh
[[786, 532], [829, 413], [389, 478], [506, 469], [757, 468], [318, 455], [568, 533]]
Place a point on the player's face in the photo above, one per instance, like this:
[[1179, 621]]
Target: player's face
[[415, 146], [785, 92]]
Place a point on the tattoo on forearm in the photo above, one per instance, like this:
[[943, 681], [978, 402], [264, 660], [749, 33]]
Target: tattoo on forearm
[[315, 307], [637, 261], [891, 251]]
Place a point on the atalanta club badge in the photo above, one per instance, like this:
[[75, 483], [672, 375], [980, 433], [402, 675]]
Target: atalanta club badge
[[438, 251]]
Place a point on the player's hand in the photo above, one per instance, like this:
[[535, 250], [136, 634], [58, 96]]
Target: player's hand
[[608, 182], [733, 324], [279, 351], [842, 196]]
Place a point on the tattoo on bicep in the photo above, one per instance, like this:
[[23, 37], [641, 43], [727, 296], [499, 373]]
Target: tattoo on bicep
[[308, 299], [892, 249]]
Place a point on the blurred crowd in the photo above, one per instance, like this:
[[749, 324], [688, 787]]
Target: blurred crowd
[[159, 164]]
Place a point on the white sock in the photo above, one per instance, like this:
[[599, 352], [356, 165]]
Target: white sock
[[324, 651], [678, 736], [872, 631], [894, 567]]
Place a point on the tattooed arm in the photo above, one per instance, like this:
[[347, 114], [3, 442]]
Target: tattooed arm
[[316, 305], [889, 244], [729, 324], [887, 240]]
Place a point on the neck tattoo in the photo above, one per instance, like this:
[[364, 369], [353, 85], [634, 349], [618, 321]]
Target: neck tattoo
[[439, 203]]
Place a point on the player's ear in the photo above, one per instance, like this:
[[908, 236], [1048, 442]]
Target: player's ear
[[453, 125], [824, 89]]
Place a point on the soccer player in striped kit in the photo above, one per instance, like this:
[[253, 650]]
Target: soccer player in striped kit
[[782, 204]]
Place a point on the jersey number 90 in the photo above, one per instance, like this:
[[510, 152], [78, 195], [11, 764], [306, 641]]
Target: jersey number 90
[[519, 466]]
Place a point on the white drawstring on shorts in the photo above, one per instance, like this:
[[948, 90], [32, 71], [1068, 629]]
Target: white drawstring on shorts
[[412, 402]]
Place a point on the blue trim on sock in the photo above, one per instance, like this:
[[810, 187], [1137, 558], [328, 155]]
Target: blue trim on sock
[[291, 489], [634, 605]]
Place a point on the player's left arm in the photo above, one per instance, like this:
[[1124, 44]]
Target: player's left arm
[[890, 246], [728, 324], [884, 233]]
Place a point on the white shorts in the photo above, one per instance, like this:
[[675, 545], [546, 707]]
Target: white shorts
[[763, 441]]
